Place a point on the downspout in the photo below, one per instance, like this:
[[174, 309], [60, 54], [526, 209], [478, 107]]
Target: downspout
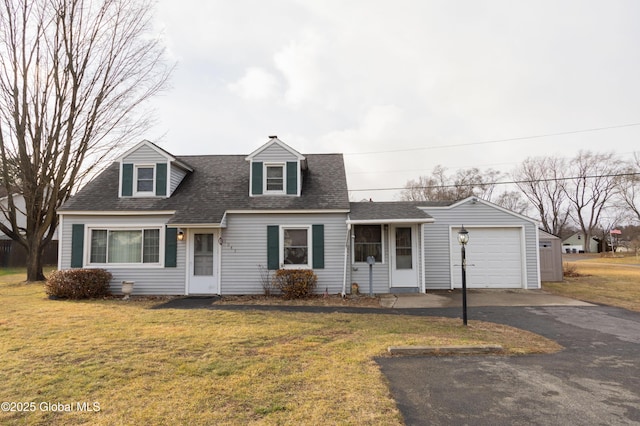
[[346, 254]]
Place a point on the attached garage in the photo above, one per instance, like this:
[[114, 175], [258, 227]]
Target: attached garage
[[494, 257], [502, 251]]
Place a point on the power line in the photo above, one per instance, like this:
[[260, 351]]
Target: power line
[[499, 183], [571, 132]]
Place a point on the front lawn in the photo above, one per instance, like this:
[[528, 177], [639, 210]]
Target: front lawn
[[116, 362], [603, 280]]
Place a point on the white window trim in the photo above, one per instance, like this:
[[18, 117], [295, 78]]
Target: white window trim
[[265, 166], [309, 264], [87, 246], [137, 193], [382, 244]]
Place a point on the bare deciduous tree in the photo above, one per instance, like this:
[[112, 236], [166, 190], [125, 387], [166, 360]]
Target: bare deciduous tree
[[440, 187], [512, 200], [594, 183], [428, 188], [540, 180], [72, 74], [629, 186]]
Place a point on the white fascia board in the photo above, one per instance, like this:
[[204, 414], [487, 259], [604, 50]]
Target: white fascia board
[[279, 143], [383, 221], [182, 165], [286, 211], [486, 203], [151, 145], [156, 148], [116, 213]]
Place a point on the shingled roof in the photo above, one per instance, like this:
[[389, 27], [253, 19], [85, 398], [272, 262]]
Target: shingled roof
[[393, 211], [219, 183]]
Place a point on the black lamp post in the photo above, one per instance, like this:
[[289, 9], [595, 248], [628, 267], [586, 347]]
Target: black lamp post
[[463, 239]]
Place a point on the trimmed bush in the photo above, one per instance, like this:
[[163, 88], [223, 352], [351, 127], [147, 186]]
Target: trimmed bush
[[78, 283], [295, 283]]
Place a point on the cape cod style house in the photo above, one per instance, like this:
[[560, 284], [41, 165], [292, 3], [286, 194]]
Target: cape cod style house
[[198, 225]]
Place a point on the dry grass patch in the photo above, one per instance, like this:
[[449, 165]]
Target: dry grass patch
[[609, 281], [169, 366]]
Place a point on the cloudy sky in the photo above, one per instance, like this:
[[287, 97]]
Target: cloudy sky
[[401, 86]]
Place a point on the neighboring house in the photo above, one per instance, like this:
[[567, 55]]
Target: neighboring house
[[209, 224], [19, 202], [11, 252], [575, 244]]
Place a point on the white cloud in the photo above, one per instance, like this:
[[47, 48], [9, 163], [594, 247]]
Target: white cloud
[[255, 84], [300, 63]]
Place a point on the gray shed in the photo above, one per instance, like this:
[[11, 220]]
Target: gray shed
[[550, 257]]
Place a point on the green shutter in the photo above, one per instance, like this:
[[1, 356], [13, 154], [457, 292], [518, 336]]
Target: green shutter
[[77, 245], [273, 247], [127, 180], [292, 177], [161, 179], [318, 246], [171, 248], [256, 178]]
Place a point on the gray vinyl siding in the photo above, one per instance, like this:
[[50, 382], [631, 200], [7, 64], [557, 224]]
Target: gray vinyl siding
[[276, 154], [244, 248], [437, 244], [144, 155], [156, 280], [177, 174]]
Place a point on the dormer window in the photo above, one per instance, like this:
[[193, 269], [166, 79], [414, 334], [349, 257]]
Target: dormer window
[[144, 179], [275, 178], [276, 169], [149, 171]]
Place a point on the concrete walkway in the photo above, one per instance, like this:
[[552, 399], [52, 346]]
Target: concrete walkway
[[477, 297]]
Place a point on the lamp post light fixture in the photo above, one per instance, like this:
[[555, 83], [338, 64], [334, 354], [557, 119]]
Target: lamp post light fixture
[[463, 239]]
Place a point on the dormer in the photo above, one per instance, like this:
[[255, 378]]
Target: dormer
[[275, 169], [147, 170]]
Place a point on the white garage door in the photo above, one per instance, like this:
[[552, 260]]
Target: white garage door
[[494, 258]]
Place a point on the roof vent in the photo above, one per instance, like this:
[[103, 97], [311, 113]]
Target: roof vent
[[273, 137]]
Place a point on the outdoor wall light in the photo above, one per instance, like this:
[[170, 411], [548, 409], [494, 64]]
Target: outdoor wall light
[[180, 235], [463, 239]]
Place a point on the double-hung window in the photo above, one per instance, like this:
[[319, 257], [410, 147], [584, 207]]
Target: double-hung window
[[367, 242], [125, 246], [275, 178], [295, 247], [144, 180]]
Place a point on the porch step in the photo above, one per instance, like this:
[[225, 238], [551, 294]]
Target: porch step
[[404, 290]]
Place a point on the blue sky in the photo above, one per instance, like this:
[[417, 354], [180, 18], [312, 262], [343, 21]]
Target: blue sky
[[402, 86]]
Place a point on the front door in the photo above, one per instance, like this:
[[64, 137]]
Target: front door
[[404, 268], [202, 271]]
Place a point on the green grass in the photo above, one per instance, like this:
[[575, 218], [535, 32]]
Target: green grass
[[10, 271], [146, 366], [603, 280]]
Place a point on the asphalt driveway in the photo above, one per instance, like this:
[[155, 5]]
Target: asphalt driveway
[[595, 380]]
